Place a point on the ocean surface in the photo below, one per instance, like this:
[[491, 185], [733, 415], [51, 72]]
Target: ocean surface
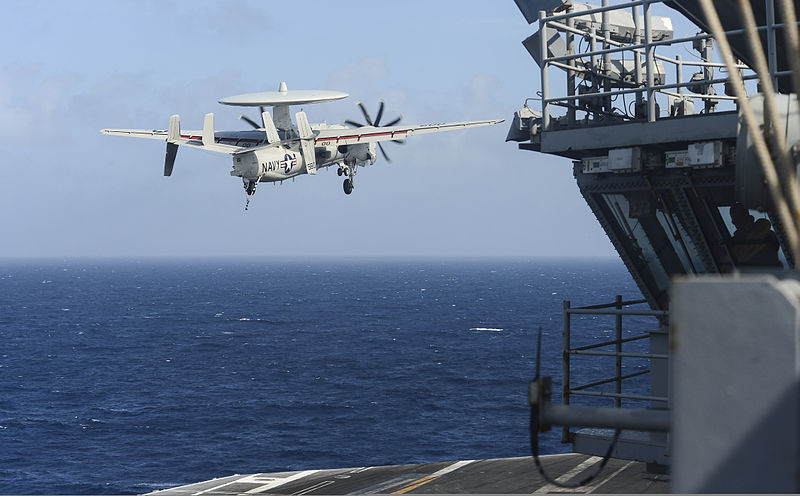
[[126, 376]]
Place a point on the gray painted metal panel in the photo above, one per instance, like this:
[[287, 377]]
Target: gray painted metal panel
[[721, 125], [735, 397]]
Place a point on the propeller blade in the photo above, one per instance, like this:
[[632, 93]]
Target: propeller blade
[[249, 121], [263, 124], [380, 113], [393, 122], [366, 114], [353, 123], [380, 147]]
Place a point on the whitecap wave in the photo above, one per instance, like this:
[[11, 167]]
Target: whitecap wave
[[492, 329]]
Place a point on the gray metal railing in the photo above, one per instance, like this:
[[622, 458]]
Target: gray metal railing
[[618, 311], [641, 45]]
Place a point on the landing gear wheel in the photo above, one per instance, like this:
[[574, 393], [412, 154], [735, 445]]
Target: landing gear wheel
[[348, 186], [339, 171]]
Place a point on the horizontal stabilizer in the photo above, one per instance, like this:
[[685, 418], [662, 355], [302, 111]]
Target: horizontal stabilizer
[[269, 127], [208, 130]]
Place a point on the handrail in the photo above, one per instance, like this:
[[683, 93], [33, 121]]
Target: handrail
[[610, 379], [621, 396], [640, 43], [622, 47], [609, 343], [612, 304], [597, 10], [617, 310]]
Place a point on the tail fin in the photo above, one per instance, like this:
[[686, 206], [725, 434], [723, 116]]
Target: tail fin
[[173, 134], [269, 127], [208, 130], [306, 142]]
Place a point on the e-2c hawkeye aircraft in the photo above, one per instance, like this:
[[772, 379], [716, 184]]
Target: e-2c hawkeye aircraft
[[278, 149]]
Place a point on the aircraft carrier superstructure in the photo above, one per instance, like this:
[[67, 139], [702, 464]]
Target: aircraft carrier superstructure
[[685, 147]]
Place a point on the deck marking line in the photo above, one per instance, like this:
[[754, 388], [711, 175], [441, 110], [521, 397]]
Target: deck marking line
[[594, 485], [318, 485], [424, 480], [214, 488], [415, 484], [384, 486], [280, 482], [452, 467], [549, 488]]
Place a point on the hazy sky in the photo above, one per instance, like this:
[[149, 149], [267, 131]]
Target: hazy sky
[[70, 69]]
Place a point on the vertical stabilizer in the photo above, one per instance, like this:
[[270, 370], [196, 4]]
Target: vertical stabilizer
[[173, 135], [306, 142], [174, 132], [269, 127], [169, 159], [208, 130]]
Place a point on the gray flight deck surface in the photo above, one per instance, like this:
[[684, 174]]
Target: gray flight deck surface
[[497, 476]]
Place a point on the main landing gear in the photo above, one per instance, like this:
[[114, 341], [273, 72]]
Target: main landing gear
[[348, 170]]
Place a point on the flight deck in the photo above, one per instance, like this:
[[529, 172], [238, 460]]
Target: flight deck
[[495, 476]]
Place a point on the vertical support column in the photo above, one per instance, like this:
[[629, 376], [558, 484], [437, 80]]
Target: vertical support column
[[648, 53], [571, 72], [544, 36], [637, 39], [772, 54], [606, 30], [565, 379], [708, 73], [618, 350], [679, 72]]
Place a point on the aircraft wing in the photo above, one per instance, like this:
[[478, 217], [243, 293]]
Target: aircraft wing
[[193, 139], [138, 133], [368, 134]]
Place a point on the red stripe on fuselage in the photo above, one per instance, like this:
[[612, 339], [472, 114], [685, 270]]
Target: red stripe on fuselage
[[317, 140], [359, 136]]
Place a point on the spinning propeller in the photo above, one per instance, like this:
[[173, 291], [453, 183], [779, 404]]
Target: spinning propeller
[[377, 123], [251, 121]]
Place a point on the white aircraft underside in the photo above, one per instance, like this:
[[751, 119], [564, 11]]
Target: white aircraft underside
[[281, 150]]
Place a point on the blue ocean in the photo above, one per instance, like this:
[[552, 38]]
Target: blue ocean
[[127, 376]]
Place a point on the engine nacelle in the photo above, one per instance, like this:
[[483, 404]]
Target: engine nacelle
[[357, 154], [245, 165]]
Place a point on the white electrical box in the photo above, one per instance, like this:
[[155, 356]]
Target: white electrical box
[[625, 159], [676, 160], [593, 165], [707, 153]]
